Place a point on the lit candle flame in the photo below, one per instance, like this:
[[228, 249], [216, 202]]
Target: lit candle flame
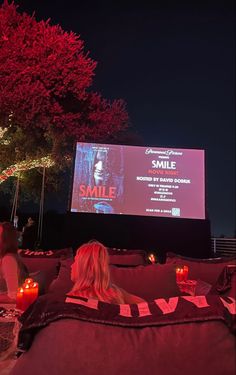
[[152, 258]]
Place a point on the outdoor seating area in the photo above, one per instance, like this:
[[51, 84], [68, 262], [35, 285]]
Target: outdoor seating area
[[202, 320], [117, 188]]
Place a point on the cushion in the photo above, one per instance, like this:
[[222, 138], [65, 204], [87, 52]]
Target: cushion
[[207, 270], [48, 268], [126, 260], [47, 262], [63, 346], [62, 283], [131, 258], [232, 291], [148, 282], [226, 283], [59, 253]]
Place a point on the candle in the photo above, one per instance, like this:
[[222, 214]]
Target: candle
[[152, 258], [34, 288], [185, 271], [179, 275], [20, 299], [27, 295]]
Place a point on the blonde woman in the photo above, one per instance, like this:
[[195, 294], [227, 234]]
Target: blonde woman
[[91, 276]]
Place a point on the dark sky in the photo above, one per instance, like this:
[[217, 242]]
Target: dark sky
[[174, 64]]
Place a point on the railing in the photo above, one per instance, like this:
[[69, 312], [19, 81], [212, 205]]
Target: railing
[[223, 246]]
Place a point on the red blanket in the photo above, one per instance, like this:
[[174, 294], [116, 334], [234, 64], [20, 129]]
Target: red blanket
[[175, 310]]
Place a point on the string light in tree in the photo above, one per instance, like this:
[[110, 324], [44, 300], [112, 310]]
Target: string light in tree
[[2, 132], [25, 165]]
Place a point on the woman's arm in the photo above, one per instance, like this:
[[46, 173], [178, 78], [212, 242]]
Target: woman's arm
[[131, 298], [128, 297], [10, 274]]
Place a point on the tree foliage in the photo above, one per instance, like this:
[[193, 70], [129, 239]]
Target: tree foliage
[[46, 102]]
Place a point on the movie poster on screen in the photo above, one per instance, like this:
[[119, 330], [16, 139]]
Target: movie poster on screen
[[98, 179]]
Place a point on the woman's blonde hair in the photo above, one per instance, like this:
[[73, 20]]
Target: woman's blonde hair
[[91, 274]]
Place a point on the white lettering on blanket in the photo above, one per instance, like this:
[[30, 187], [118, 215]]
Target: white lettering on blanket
[[143, 309], [92, 303], [230, 306], [125, 311], [199, 301], [167, 307]]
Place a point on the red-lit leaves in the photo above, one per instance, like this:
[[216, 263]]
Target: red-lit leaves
[[44, 78]]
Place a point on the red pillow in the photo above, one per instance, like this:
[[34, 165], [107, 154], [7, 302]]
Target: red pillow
[[58, 253], [207, 270], [148, 282], [126, 260], [226, 283], [131, 258], [63, 284], [47, 262]]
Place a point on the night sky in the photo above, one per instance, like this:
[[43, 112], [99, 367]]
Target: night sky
[[174, 65]]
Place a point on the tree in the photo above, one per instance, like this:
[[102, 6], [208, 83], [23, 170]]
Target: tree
[[46, 102]]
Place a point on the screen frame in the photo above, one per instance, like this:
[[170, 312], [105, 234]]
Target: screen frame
[[72, 174]]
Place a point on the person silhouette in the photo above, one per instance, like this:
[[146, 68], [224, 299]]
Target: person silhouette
[[29, 234]]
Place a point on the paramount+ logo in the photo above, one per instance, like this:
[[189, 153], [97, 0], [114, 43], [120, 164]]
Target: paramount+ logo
[[149, 151]]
